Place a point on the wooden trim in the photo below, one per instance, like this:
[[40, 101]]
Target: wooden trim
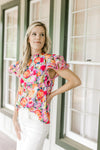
[[51, 22]]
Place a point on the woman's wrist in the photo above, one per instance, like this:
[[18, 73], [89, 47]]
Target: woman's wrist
[[53, 93]]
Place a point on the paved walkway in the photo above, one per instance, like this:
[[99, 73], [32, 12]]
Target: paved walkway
[[6, 143]]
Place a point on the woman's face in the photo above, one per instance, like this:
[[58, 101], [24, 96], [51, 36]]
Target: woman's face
[[37, 38]]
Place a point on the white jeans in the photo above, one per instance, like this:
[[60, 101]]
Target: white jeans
[[33, 131]]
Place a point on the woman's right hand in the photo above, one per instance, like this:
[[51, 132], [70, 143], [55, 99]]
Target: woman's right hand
[[17, 128]]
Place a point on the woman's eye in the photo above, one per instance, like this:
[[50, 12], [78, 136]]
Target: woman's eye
[[42, 34], [33, 33]]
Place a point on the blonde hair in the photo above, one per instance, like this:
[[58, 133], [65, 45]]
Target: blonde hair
[[27, 49]]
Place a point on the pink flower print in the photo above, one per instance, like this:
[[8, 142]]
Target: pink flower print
[[40, 94], [28, 87], [31, 68], [45, 118], [43, 67], [47, 83], [49, 89], [30, 104], [33, 78], [34, 72], [45, 92], [23, 101], [44, 111], [33, 99], [46, 78], [41, 60], [38, 104], [24, 84], [26, 74], [37, 60], [21, 81]]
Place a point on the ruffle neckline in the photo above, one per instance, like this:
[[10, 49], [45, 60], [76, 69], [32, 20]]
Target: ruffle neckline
[[37, 54]]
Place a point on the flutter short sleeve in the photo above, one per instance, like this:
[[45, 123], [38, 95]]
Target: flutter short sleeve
[[14, 68], [56, 62]]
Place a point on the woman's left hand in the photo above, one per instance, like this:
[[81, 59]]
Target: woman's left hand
[[49, 98]]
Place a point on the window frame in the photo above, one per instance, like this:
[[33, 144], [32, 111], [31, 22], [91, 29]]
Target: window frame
[[61, 140], [4, 7]]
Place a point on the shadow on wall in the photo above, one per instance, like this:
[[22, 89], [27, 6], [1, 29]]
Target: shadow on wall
[[6, 143]]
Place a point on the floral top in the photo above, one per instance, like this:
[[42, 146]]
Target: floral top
[[36, 84]]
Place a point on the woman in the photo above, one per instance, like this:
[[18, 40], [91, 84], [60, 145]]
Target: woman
[[37, 71]]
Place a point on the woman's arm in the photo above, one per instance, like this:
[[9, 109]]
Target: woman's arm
[[15, 119], [73, 81]]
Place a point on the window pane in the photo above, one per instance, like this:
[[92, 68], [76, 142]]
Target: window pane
[[92, 101], [93, 3], [12, 81], [9, 19], [11, 96], [11, 34], [76, 122], [10, 51], [44, 9], [9, 83], [35, 13], [92, 49], [78, 98], [81, 71], [91, 127], [77, 49], [93, 77], [78, 5], [10, 38], [93, 21], [39, 10], [78, 21]]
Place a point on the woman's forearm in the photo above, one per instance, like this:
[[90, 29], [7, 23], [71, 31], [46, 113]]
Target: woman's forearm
[[67, 86], [15, 115]]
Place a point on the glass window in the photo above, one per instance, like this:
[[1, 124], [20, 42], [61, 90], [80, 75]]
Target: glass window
[[39, 10], [10, 53], [82, 108], [78, 5]]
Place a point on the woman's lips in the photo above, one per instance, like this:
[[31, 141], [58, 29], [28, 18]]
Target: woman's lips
[[37, 42]]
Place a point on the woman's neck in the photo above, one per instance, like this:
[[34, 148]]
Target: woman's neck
[[33, 52]]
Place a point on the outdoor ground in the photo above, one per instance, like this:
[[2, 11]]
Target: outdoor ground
[[6, 143]]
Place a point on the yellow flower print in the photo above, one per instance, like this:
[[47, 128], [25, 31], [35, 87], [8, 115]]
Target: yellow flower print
[[43, 99], [31, 93], [41, 79], [40, 93], [20, 91], [44, 105], [37, 60], [39, 73], [34, 85], [47, 56]]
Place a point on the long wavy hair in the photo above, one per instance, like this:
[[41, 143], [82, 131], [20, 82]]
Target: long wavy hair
[[27, 48]]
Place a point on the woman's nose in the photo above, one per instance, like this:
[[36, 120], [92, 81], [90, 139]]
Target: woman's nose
[[38, 36]]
